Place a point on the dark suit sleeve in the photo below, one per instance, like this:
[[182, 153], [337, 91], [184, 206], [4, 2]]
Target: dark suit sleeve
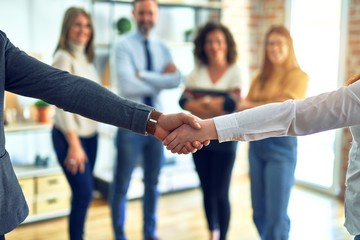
[[29, 77]]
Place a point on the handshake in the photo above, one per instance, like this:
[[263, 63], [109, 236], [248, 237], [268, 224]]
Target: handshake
[[184, 133]]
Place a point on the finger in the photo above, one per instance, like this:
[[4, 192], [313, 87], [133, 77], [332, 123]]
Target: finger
[[191, 120], [189, 147], [173, 147], [198, 145], [75, 168], [68, 165], [169, 139], [177, 148], [71, 168], [184, 151], [71, 165], [82, 167], [206, 142]]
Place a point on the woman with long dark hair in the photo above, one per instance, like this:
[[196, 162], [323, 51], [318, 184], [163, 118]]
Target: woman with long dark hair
[[75, 138], [212, 89]]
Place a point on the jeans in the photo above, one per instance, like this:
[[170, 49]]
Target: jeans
[[81, 184], [357, 237], [272, 166], [214, 168], [2, 237], [132, 147]]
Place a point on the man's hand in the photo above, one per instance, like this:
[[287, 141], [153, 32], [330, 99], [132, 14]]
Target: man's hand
[[170, 68], [177, 141], [169, 122]]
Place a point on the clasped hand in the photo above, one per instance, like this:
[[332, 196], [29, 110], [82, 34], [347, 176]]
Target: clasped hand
[[184, 133]]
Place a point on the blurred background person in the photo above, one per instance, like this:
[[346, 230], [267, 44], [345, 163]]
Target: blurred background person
[[212, 89], [75, 138], [272, 161], [144, 67]]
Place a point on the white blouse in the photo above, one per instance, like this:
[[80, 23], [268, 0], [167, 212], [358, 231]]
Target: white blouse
[[323, 112], [199, 78]]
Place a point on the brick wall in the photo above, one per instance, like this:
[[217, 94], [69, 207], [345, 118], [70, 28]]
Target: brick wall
[[353, 52], [249, 21], [352, 67]]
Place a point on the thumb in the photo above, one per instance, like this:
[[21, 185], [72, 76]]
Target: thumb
[[192, 120]]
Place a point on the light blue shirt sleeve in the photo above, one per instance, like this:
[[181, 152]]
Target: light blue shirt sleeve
[[157, 78], [127, 63]]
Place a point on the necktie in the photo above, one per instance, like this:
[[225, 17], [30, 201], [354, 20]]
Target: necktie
[[148, 99]]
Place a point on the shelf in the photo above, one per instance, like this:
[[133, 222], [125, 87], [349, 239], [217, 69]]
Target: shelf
[[201, 4], [20, 127], [171, 44], [46, 216], [31, 171]]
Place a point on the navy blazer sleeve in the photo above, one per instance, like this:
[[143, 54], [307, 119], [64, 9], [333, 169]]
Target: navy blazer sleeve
[[27, 76]]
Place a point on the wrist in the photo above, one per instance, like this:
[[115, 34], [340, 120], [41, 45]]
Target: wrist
[[210, 129], [152, 122]]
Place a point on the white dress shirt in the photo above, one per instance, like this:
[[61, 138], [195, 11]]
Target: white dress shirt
[[352, 193], [323, 112]]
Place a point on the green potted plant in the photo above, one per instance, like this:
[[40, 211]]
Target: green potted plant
[[43, 111], [41, 103], [123, 25], [188, 35]]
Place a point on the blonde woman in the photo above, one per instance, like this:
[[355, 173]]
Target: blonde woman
[[75, 138]]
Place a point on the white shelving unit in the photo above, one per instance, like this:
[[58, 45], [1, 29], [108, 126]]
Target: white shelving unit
[[45, 187]]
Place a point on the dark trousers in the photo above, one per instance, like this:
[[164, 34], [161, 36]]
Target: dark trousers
[[132, 147], [2, 237], [81, 184], [214, 166]]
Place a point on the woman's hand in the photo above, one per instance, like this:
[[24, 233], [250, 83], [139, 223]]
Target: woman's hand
[[76, 156], [75, 160]]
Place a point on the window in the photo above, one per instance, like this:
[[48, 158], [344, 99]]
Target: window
[[316, 29]]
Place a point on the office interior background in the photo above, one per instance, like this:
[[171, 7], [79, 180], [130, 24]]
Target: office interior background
[[326, 38]]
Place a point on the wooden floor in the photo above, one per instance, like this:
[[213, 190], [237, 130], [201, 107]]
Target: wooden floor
[[314, 217]]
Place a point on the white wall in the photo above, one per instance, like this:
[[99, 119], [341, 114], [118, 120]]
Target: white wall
[[34, 25]]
